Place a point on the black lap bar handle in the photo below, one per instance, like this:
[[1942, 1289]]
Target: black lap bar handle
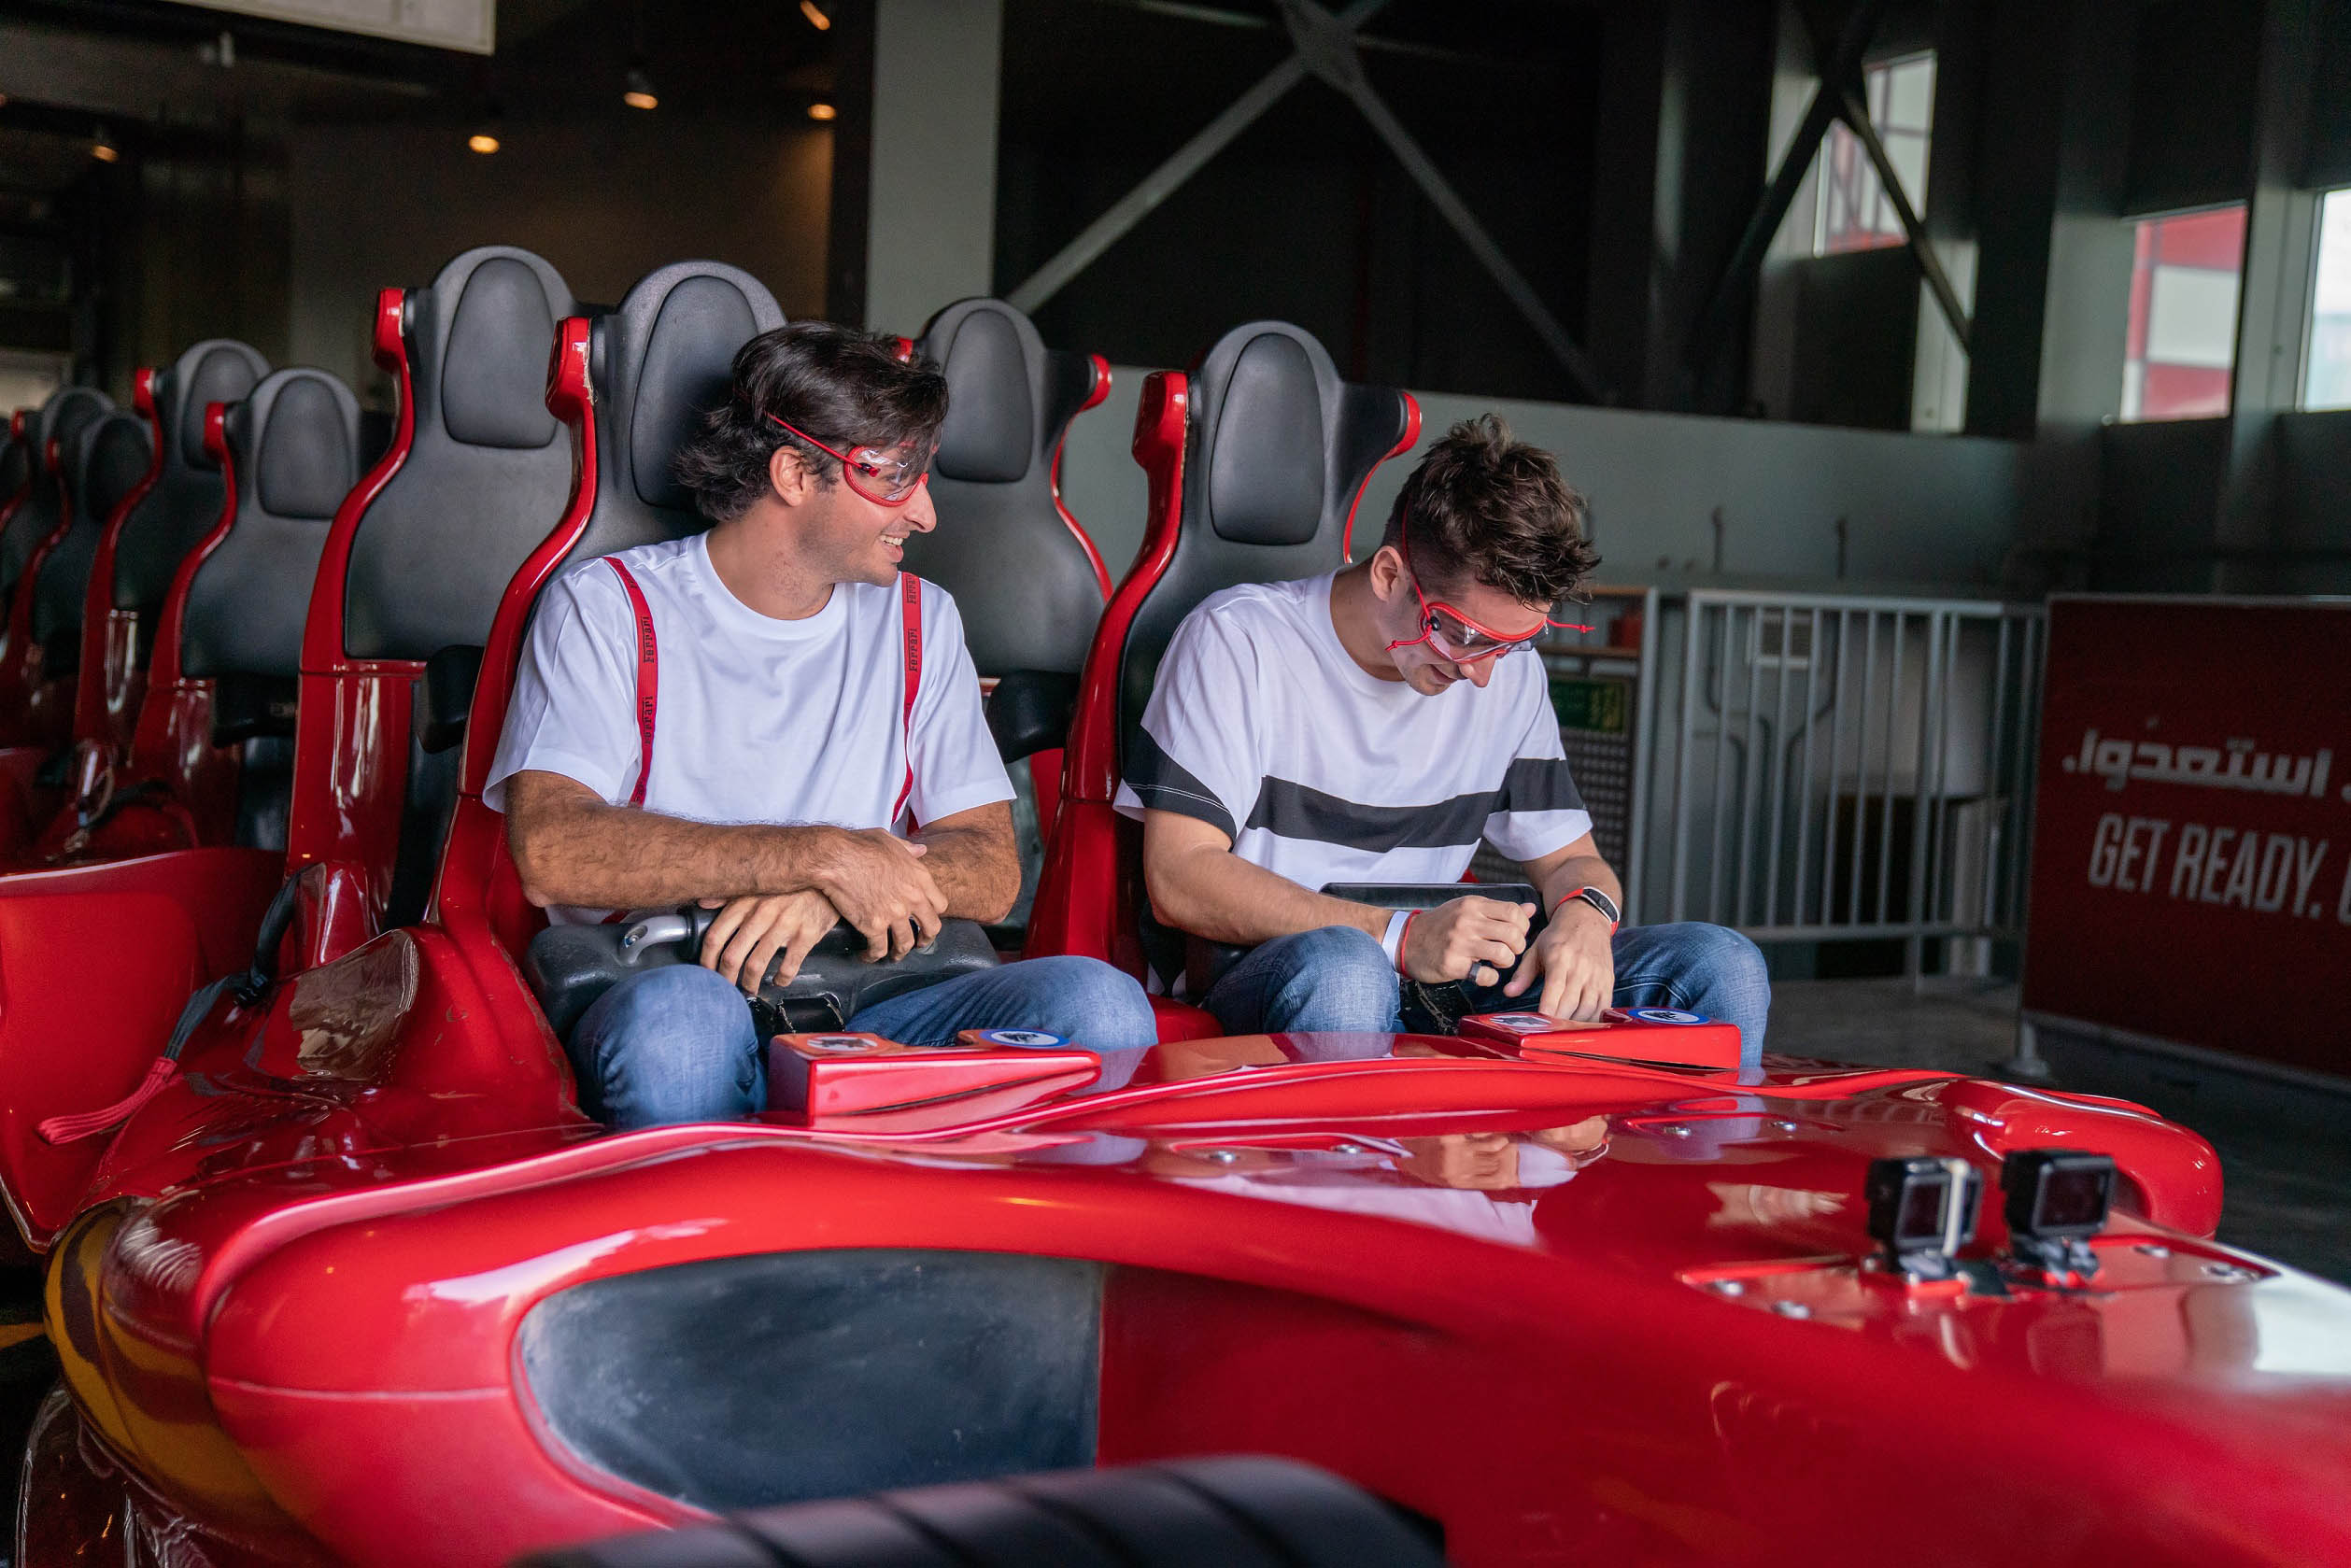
[[569, 967]]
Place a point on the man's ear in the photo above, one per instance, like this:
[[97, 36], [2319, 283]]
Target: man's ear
[[788, 478], [1387, 572]]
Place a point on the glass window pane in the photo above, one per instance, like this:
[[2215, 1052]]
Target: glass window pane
[[1851, 210], [2327, 366], [2180, 357]]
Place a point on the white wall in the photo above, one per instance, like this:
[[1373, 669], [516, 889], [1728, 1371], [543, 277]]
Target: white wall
[[1924, 511]]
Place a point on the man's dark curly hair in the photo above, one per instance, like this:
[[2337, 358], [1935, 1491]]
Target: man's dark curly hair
[[1484, 507], [847, 388]]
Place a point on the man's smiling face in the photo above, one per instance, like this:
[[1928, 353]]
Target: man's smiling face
[[859, 540]]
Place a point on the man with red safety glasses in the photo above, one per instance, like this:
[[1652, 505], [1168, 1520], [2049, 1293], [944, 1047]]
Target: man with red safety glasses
[[758, 716], [1370, 727]]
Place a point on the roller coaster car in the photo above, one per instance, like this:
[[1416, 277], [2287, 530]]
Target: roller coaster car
[[358, 1282], [296, 582]]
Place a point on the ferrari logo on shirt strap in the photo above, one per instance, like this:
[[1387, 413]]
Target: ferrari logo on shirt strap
[[649, 676], [910, 597]]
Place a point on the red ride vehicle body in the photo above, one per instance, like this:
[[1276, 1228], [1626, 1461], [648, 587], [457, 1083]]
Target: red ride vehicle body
[[334, 1293], [291, 1318]]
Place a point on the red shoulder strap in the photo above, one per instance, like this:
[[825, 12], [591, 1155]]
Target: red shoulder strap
[[649, 676], [910, 599]]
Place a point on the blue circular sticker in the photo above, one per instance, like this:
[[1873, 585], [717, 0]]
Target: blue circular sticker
[[1664, 1015], [1027, 1039]]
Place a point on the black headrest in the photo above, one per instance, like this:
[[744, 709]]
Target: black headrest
[[478, 342], [294, 446], [1266, 458], [1023, 578], [62, 419], [108, 460], [307, 456], [15, 466], [218, 370], [494, 365], [990, 436], [485, 471], [115, 455], [659, 362], [185, 501], [1276, 451]]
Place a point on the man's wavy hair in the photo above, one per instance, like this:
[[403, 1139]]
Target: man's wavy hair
[[847, 388], [1486, 507]]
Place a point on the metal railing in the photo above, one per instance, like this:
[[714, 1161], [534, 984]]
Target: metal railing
[[1829, 769]]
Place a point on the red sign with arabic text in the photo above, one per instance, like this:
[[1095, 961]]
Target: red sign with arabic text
[[2191, 840]]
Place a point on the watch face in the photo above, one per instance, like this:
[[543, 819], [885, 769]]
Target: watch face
[[1602, 902]]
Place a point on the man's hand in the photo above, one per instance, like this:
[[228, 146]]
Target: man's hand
[[1470, 939], [878, 883], [1575, 962], [753, 929]]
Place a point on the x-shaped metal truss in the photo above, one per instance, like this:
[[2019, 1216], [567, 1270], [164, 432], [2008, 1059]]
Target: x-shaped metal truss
[[1841, 95], [1325, 46]]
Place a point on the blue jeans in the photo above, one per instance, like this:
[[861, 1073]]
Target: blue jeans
[[675, 1044], [1338, 978]]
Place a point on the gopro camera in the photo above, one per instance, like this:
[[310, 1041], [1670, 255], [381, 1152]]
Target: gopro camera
[[2054, 1197], [1922, 1210]]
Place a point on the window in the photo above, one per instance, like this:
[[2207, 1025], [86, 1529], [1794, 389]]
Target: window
[[2182, 349], [1851, 210], [2327, 365]]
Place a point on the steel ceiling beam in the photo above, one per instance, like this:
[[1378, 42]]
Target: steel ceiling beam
[[1855, 113], [1326, 47], [1738, 279]]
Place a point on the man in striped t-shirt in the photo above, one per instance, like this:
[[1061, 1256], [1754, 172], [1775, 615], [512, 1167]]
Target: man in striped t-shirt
[[1371, 725]]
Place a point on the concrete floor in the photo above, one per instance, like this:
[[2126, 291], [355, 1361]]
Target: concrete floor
[[2284, 1159]]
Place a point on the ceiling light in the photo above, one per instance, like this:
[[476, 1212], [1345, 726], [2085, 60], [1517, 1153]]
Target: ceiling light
[[482, 141], [816, 15], [822, 111], [102, 148], [638, 89]]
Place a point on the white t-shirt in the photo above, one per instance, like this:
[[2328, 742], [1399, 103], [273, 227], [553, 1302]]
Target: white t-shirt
[[759, 720], [1263, 725]]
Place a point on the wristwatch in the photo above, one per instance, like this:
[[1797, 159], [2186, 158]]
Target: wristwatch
[[1602, 902]]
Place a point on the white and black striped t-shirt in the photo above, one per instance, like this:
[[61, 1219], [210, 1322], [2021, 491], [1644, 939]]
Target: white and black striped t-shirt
[[1263, 725]]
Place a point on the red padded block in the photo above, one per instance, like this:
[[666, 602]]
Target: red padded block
[[1625, 1034], [1182, 1021], [89, 985], [820, 1076]]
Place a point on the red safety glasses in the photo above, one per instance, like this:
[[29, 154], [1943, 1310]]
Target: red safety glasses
[[1455, 636], [884, 478]]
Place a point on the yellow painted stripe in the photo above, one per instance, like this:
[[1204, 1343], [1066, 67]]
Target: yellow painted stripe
[[17, 1333]]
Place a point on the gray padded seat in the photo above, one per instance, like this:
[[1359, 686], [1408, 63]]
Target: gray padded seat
[[294, 449], [661, 359], [186, 498], [487, 467], [108, 461], [61, 419], [1024, 582], [1279, 447]]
